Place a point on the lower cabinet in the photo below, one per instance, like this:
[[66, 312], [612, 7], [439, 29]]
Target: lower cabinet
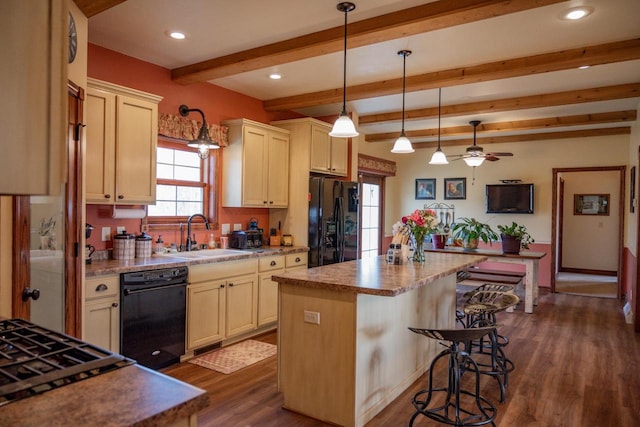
[[102, 312], [222, 300], [268, 289]]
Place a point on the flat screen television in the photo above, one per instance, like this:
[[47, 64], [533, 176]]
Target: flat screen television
[[510, 198]]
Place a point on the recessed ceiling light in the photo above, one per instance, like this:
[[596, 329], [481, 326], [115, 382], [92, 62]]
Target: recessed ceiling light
[[275, 76], [176, 35], [576, 13], [584, 67]]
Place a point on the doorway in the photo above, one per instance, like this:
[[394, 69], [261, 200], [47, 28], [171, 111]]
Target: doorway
[[371, 211], [581, 257], [47, 237]]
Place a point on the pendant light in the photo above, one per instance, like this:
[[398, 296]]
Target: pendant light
[[402, 144], [344, 127], [439, 158], [474, 159], [204, 143]]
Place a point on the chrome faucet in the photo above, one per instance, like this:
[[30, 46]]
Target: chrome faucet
[[206, 223]]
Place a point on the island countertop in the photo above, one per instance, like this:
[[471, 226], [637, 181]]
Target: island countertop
[[375, 276]]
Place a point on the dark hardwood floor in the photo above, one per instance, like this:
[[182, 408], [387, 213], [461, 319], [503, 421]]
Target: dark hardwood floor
[[577, 364]]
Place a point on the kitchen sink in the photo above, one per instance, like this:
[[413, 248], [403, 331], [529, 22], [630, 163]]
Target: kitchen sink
[[208, 253]]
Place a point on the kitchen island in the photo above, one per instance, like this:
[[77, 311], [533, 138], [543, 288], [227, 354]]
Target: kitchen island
[[344, 350]]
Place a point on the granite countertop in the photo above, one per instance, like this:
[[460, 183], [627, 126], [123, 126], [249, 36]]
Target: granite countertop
[[376, 277], [129, 396], [112, 266]]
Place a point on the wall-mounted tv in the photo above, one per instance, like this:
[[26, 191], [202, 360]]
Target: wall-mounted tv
[[510, 198]]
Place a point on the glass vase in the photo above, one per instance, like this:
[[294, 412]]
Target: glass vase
[[418, 255]]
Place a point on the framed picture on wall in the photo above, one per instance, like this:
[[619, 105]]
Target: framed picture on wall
[[591, 204], [455, 188], [425, 189]]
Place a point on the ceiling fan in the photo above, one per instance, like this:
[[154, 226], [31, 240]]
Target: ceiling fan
[[475, 155]]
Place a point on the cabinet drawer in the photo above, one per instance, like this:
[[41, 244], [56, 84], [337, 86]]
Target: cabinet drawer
[[222, 270], [101, 287], [295, 260], [270, 263]]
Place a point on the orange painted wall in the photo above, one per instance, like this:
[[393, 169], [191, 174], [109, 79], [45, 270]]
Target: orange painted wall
[[217, 103]]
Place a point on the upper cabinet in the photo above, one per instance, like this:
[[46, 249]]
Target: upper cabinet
[[122, 135], [255, 171], [33, 84], [328, 155]]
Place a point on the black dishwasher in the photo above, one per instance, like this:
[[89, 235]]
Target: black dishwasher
[[152, 317]]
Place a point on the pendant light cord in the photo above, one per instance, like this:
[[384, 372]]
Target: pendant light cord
[[344, 68], [404, 78], [439, 107]]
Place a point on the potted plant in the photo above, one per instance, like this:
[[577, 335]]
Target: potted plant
[[439, 237], [470, 231], [514, 237]]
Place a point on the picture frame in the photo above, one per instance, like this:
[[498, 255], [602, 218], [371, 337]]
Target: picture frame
[[591, 204], [632, 190], [455, 188], [425, 188]]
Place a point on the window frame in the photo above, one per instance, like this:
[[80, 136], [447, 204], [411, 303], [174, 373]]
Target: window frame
[[209, 182]]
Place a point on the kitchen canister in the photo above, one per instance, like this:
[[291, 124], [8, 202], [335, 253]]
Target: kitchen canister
[[124, 246], [143, 246]]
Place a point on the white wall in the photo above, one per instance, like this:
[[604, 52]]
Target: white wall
[[532, 162], [631, 219]]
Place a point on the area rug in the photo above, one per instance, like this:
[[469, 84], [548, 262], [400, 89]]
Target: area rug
[[230, 359]]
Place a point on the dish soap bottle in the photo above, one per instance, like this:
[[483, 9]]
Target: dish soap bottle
[[212, 242]]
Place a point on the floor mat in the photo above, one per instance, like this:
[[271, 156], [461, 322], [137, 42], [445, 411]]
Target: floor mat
[[230, 359]]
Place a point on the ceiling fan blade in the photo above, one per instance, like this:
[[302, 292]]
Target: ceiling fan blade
[[500, 154], [491, 158]]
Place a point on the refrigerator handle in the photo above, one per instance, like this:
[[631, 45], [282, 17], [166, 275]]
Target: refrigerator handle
[[340, 228]]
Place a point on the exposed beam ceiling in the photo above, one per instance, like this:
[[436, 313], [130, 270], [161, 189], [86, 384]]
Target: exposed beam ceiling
[[403, 23], [93, 7], [554, 61]]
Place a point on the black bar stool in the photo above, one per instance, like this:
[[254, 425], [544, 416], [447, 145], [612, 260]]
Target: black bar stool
[[460, 407], [480, 310]]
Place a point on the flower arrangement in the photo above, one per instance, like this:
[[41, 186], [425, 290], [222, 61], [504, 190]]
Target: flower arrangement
[[420, 223]]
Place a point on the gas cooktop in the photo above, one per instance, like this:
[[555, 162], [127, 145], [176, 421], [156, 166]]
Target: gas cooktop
[[34, 359]]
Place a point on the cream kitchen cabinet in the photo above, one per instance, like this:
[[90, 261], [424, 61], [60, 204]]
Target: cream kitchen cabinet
[[122, 135], [296, 261], [268, 289], [221, 301], [33, 84], [102, 312], [255, 171], [328, 155]]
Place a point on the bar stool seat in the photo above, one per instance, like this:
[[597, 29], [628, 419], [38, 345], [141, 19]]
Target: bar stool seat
[[458, 406]]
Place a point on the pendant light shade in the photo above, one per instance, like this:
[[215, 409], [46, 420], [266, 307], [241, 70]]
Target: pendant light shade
[[203, 143], [344, 127], [402, 144], [439, 158]]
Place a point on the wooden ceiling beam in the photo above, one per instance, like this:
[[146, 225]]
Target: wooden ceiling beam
[[625, 50], [607, 93], [531, 137], [403, 23], [94, 7], [511, 126]]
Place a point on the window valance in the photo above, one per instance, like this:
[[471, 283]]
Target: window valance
[[183, 128]]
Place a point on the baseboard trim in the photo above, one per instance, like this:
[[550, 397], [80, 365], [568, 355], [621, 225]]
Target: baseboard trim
[[586, 271]]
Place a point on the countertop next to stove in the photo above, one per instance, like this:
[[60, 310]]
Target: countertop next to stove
[[129, 396]]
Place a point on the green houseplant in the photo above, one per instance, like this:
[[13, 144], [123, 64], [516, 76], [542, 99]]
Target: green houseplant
[[514, 237], [471, 231]]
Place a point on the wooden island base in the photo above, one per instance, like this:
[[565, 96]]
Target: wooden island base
[[361, 355]]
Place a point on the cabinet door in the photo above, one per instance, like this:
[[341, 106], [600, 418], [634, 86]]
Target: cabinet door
[[100, 149], [254, 167], [267, 298], [242, 293], [102, 323], [278, 177], [205, 314], [136, 140], [320, 149], [339, 156]]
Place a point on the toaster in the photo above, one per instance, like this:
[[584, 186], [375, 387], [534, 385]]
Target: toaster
[[249, 239]]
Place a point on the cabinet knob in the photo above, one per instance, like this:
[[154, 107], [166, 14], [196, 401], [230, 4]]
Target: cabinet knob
[[230, 284], [298, 259], [270, 202], [114, 305], [264, 201], [221, 286], [101, 287], [107, 196], [273, 263], [120, 196]]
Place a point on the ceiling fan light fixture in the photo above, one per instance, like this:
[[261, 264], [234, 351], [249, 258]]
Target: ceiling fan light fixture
[[402, 145], [439, 158], [473, 161], [203, 143], [344, 127]]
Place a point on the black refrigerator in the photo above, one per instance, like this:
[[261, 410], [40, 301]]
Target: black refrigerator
[[333, 221]]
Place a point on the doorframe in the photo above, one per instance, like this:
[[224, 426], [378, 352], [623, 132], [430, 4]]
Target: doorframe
[[375, 179], [555, 220], [74, 257], [636, 311]]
